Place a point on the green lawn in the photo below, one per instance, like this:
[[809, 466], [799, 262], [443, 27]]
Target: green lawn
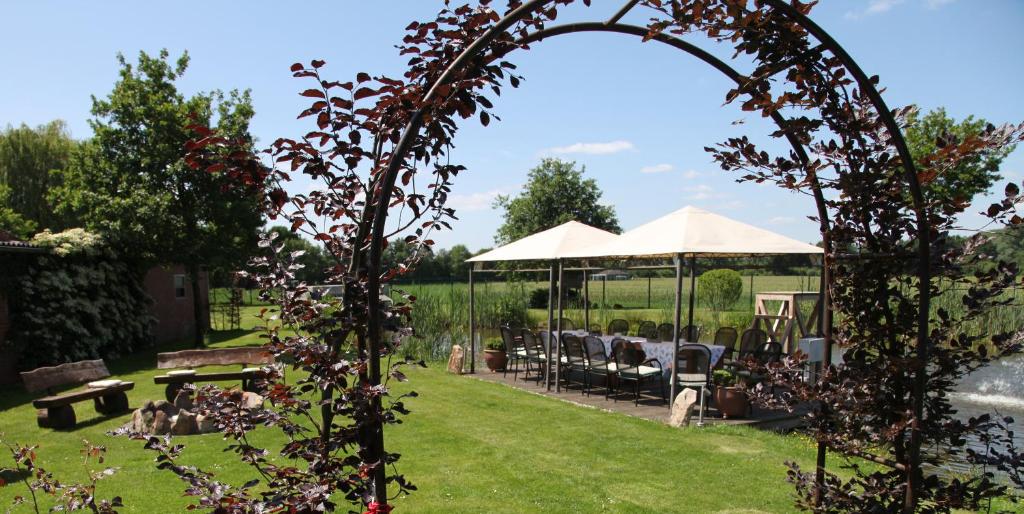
[[470, 446]]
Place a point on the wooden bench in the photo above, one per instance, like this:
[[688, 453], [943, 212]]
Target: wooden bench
[[216, 357], [55, 410]]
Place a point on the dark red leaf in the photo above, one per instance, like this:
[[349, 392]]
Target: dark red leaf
[[318, 63], [297, 66], [313, 93]]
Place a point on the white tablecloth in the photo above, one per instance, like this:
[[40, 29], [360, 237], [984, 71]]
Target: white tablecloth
[[662, 351]]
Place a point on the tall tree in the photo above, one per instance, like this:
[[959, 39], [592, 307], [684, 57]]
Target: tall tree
[[28, 158], [555, 193], [927, 134], [131, 183]]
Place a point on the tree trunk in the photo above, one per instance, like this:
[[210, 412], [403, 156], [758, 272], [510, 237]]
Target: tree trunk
[[197, 307]]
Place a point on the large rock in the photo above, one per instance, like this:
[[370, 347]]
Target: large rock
[[166, 407], [184, 400], [161, 423], [251, 400], [184, 423], [205, 424], [142, 420], [682, 408], [457, 360]]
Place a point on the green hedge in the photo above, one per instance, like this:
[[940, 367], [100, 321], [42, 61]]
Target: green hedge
[[78, 301]]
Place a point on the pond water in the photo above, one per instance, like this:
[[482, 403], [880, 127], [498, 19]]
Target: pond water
[[998, 387]]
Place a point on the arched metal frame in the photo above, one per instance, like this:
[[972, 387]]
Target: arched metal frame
[[827, 43]]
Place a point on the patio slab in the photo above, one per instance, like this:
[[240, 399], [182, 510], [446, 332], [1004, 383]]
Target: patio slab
[[651, 406]]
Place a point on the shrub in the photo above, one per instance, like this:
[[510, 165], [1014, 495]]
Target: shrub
[[539, 298], [78, 302], [719, 290]]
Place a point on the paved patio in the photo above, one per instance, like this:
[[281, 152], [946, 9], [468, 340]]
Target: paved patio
[[651, 405]]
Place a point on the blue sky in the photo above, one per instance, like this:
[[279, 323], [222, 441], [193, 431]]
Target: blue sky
[[636, 115]]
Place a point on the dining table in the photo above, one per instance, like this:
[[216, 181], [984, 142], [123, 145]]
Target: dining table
[[662, 351]]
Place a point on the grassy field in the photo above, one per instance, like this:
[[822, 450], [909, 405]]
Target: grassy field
[[470, 446]]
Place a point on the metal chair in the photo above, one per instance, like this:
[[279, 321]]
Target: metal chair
[[726, 336], [647, 329], [751, 342], [575, 359], [535, 353], [665, 331], [597, 362], [690, 333], [567, 324], [514, 349], [693, 369], [630, 365], [618, 327]]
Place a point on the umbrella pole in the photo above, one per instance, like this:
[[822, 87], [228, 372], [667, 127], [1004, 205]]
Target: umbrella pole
[[551, 320], [557, 340], [693, 284], [677, 314], [586, 302], [472, 322]]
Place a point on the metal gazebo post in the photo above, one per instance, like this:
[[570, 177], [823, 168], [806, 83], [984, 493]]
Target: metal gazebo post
[[558, 337], [586, 301], [551, 319], [472, 323], [678, 314], [693, 287]]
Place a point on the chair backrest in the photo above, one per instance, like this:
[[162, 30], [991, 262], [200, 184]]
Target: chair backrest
[[72, 373], [508, 338], [693, 363], [594, 351], [648, 329], [626, 354], [770, 352], [546, 340], [665, 331], [572, 347], [726, 336], [690, 333], [531, 344], [618, 326], [751, 342], [567, 324]]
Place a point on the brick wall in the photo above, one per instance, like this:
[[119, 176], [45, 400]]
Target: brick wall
[[173, 312]]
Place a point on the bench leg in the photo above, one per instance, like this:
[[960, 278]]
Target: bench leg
[[114, 403], [56, 417], [171, 392]]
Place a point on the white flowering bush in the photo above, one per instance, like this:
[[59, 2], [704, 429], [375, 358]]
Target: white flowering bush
[[78, 301]]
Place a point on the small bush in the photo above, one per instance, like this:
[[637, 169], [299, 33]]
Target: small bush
[[539, 298], [719, 290]]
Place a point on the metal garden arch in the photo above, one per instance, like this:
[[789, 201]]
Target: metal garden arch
[[793, 16]]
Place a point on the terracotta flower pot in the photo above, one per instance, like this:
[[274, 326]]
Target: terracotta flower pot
[[495, 359], [732, 402]]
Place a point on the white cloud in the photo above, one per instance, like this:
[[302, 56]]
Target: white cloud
[[657, 168], [593, 148], [935, 4], [478, 201], [781, 220], [874, 7], [700, 192], [691, 174]]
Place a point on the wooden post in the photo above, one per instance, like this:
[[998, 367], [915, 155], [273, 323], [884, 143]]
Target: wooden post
[[677, 315], [472, 324], [558, 336]]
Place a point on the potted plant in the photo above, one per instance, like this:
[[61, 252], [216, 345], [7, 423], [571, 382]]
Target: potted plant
[[730, 398], [495, 356]]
